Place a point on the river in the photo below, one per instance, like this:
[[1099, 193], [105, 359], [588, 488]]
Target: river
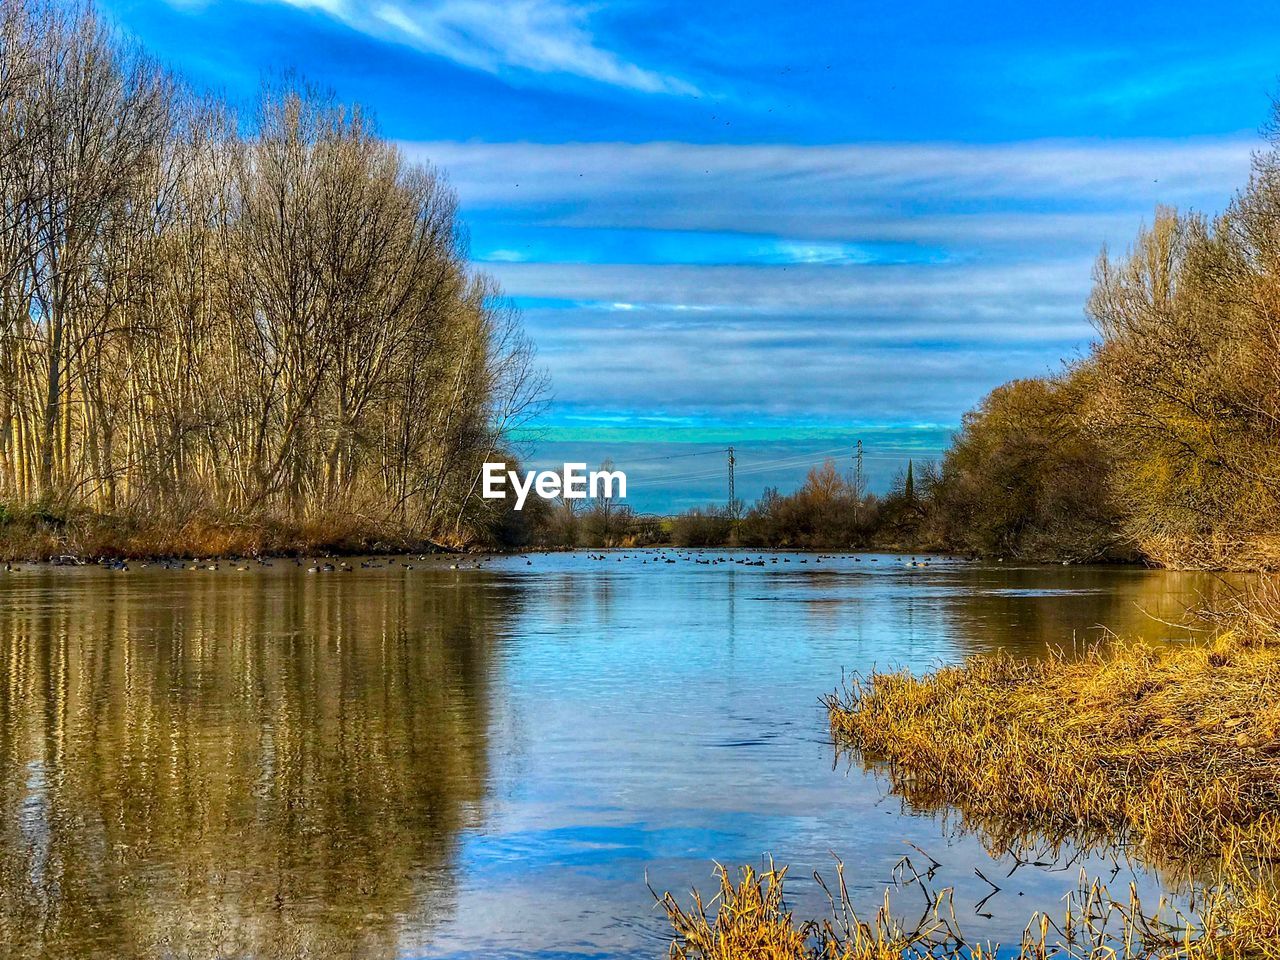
[[445, 758]]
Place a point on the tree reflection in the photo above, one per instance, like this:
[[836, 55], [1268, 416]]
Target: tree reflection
[[201, 764], [1026, 610]]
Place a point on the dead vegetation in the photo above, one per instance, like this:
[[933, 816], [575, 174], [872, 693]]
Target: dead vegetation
[[35, 535], [749, 920], [1173, 749]]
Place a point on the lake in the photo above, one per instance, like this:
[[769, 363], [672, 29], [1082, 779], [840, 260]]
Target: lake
[[420, 761]]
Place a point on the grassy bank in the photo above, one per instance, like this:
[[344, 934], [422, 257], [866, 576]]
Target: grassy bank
[[1174, 752], [34, 535]]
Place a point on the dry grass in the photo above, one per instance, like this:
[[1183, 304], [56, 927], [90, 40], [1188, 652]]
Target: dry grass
[[1174, 749], [749, 920], [34, 535], [1259, 552]]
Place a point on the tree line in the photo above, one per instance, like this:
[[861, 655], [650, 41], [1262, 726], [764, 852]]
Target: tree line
[[829, 510], [267, 317], [1163, 443]]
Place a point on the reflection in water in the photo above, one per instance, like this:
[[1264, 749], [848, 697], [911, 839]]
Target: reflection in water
[[489, 760], [211, 766], [1031, 608]]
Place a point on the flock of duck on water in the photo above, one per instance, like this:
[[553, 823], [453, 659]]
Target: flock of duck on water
[[336, 565], [241, 564], [745, 561]]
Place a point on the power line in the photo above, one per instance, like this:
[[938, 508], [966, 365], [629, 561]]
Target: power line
[[753, 469], [779, 462], [675, 456], [719, 472], [716, 451]]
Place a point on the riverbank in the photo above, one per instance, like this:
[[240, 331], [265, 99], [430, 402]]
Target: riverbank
[[1172, 752], [1173, 749], [35, 535]]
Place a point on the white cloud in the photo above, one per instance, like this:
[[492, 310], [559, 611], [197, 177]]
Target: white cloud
[[918, 342], [507, 256], [804, 375], [990, 192], [898, 291], [1001, 242], [499, 36]]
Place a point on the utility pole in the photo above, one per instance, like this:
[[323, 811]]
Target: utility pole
[[733, 500], [857, 483]]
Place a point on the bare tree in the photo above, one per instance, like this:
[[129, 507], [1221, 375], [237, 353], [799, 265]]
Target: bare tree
[[273, 324]]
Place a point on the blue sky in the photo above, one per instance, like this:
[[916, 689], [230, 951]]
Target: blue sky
[[781, 226]]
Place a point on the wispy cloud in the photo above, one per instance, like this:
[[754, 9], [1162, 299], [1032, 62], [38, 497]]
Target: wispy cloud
[[846, 192], [501, 37], [898, 281], [967, 292], [810, 343]]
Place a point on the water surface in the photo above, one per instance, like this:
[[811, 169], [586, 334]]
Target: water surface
[[420, 761]]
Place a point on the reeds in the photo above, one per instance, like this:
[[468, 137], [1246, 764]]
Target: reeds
[[749, 920]]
